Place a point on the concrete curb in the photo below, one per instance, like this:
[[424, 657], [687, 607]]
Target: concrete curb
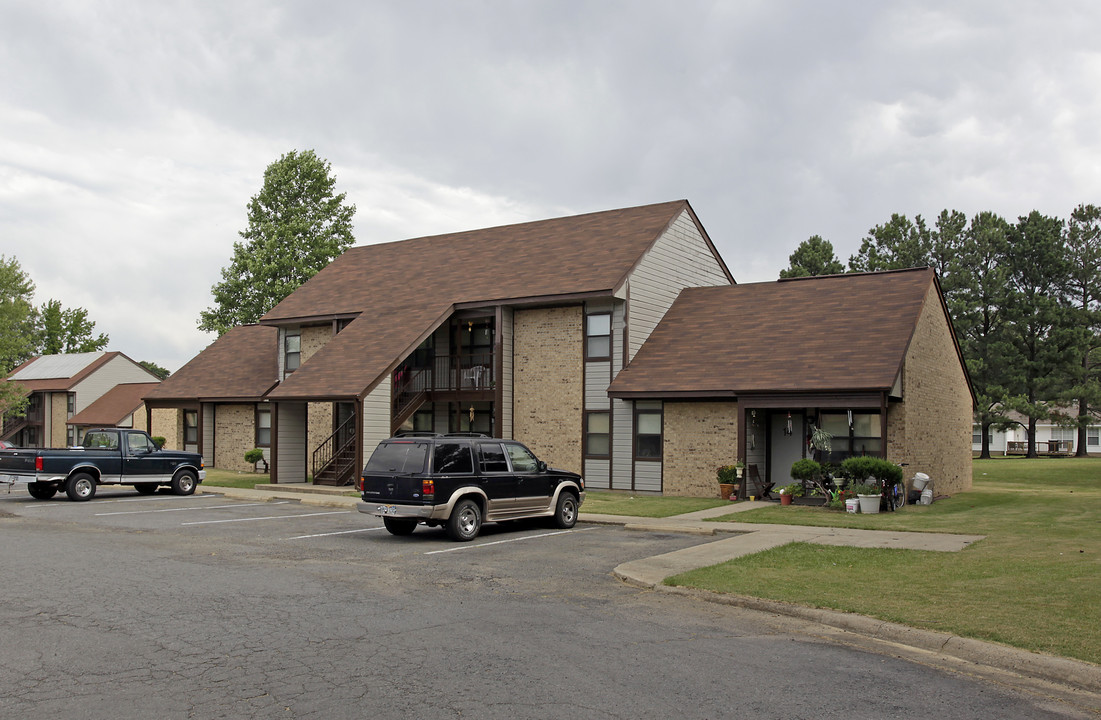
[[1049, 668]]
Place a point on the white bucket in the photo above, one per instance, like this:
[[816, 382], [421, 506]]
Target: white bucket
[[927, 496], [852, 505], [920, 481]]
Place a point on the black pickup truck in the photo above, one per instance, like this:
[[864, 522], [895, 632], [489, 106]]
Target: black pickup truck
[[108, 456]]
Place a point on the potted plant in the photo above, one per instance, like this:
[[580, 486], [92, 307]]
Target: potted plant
[[789, 492], [728, 481]]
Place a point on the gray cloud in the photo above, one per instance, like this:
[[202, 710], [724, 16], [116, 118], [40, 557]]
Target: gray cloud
[[132, 134]]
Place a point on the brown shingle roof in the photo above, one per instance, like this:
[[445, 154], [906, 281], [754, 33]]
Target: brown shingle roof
[[114, 405], [403, 288], [825, 334], [240, 365]]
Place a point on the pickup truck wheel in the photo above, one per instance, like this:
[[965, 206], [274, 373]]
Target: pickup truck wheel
[[465, 521], [41, 491], [565, 512], [81, 487], [146, 488], [398, 526], [184, 482]]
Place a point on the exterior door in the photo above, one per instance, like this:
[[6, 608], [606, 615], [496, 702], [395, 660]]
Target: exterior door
[[787, 446]]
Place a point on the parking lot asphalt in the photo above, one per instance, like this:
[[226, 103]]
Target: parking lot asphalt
[[305, 513], [738, 539]]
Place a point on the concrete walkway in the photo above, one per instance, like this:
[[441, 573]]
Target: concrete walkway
[[739, 539]]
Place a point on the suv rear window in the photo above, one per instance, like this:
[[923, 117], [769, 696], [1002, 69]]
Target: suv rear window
[[452, 458], [399, 457]]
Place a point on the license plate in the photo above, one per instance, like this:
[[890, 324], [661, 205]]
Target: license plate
[[388, 509]]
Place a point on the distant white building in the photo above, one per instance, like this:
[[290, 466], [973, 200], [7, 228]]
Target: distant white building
[[1050, 438]]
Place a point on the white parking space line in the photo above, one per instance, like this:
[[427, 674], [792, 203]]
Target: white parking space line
[[269, 517], [190, 509], [342, 532], [501, 542], [104, 501]]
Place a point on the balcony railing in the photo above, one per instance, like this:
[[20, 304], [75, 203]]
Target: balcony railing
[[446, 373]]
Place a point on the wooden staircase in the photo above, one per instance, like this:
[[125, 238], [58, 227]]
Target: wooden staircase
[[334, 460]]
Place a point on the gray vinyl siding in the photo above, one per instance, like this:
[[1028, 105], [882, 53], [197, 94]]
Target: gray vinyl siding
[[596, 474], [622, 444], [376, 416], [598, 376], [207, 425], [507, 337], [680, 258], [291, 439], [648, 475]]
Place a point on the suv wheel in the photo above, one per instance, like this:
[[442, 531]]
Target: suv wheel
[[397, 526], [465, 521], [565, 512]]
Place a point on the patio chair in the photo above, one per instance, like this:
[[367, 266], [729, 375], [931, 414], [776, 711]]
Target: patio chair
[[764, 489]]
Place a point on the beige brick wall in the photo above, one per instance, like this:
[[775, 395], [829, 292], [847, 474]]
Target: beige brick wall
[[931, 428], [314, 338], [697, 438], [168, 423], [319, 426], [59, 404], [234, 435], [548, 392]]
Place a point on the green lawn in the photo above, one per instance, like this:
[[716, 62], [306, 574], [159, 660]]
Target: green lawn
[[230, 478], [1034, 582], [604, 502]]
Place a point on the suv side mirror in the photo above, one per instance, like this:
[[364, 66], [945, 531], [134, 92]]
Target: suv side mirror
[[541, 466]]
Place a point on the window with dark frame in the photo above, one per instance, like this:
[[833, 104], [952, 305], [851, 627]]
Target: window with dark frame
[[862, 437], [263, 427], [70, 404], [598, 336], [292, 357], [191, 427], [648, 434], [598, 434]]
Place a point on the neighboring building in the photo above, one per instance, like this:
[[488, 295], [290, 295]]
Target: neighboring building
[[519, 331], [215, 404], [871, 358], [121, 406], [61, 386], [1051, 438]]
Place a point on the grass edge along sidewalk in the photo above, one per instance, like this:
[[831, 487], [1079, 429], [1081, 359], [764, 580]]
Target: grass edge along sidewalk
[[1032, 584]]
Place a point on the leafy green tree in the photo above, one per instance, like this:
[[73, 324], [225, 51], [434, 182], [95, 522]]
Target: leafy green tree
[[813, 257], [1043, 334], [1083, 248], [899, 243], [17, 315], [156, 369], [66, 330], [297, 225]]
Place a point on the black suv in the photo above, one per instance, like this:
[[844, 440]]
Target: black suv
[[461, 481]]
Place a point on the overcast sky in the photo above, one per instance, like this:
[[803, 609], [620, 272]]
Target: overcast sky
[[132, 134]]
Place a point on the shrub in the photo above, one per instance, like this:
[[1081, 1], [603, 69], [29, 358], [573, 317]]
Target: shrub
[[806, 469], [159, 440], [254, 456]]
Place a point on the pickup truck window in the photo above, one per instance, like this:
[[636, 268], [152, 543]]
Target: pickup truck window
[[101, 441], [139, 444]]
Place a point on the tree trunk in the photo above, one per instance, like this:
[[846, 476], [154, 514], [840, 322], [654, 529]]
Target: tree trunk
[[984, 454], [1083, 421], [1032, 438]]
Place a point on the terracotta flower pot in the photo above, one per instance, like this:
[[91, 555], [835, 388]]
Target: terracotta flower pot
[[785, 499]]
